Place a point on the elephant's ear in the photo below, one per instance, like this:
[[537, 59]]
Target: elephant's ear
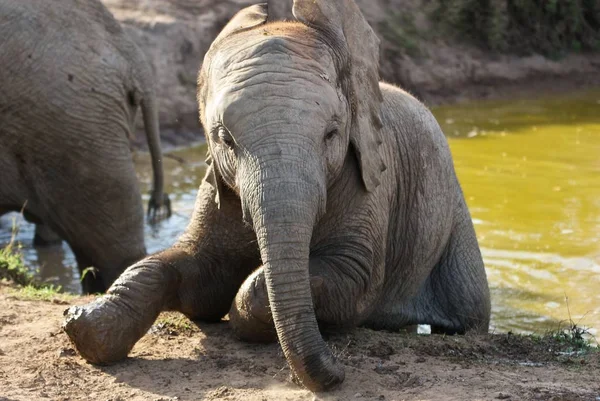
[[345, 28], [213, 177], [245, 19], [279, 10]]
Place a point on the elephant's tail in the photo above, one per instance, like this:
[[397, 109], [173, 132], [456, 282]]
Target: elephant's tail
[[158, 198]]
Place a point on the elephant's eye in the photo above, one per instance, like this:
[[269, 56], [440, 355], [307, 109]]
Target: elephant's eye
[[330, 134], [225, 138]]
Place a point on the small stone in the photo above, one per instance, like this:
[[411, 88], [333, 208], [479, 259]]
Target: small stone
[[503, 396], [357, 395], [420, 360], [64, 352]]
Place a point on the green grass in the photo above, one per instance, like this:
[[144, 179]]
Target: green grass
[[174, 323], [12, 267], [13, 270], [573, 338], [47, 293], [570, 338]]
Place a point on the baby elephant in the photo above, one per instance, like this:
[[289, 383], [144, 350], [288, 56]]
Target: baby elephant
[[70, 84], [331, 201]]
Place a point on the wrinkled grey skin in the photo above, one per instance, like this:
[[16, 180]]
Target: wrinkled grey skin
[[342, 189], [70, 84]]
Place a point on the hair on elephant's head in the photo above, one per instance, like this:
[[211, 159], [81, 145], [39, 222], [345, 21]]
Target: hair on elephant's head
[[283, 105]]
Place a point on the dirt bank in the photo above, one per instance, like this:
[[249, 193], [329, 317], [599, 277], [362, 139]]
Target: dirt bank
[[178, 360], [175, 34]]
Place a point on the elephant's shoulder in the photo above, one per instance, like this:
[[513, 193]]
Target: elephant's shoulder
[[401, 109], [395, 98]]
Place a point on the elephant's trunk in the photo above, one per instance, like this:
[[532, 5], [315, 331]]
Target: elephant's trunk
[[284, 206]]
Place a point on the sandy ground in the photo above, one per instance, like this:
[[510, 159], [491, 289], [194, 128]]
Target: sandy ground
[[179, 360]]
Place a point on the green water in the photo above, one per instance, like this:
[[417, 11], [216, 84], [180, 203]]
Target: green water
[[530, 170]]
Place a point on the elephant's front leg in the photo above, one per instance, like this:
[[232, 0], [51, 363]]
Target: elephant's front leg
[[250, 313], [343, 293], [198, 276], [106, 329], [44, 236]]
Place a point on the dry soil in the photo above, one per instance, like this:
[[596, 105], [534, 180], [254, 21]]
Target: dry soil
[[181, 360]]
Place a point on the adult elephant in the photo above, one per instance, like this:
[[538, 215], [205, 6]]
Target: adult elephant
[[70, 84], [331, 200]]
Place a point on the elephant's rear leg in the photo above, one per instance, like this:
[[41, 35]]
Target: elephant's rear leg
[[454, 298], [45, 236], [99, 213]]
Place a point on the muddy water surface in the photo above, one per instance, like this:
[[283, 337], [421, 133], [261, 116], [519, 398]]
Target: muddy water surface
[[530, 170]]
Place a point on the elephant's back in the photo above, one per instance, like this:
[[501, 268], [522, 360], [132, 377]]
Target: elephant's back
[[423, 196], [61, 66], [48, 40], [82, 19], [409, 124]]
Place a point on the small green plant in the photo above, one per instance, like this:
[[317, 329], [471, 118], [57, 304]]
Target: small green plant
[[173, 323], [572, 336], [48, 293], [88, 270], [14, 270], [11, 262]]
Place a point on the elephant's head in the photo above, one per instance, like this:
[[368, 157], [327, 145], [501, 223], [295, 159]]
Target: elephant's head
[[283, 104]]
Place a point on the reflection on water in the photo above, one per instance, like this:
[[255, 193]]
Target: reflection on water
[[530, 171]]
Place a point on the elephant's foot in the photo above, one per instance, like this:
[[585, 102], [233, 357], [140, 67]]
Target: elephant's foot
[[250, 314], [105, 330], [45, 237], [94, 331]]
